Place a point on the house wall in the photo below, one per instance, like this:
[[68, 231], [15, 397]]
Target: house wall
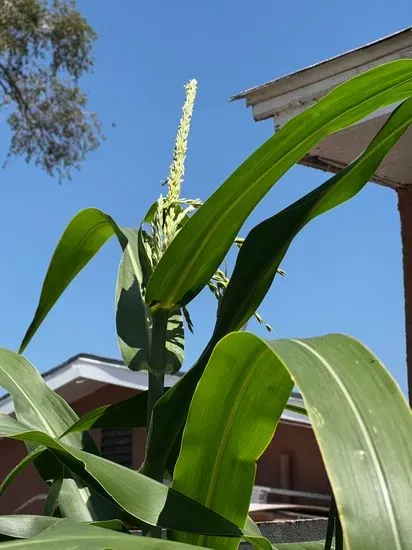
[[27, 492], [292, 461]]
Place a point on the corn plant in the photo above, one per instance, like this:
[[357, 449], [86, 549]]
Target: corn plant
[[207, 432]]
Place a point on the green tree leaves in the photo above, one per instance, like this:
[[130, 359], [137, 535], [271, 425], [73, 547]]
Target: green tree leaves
[[45, 48]]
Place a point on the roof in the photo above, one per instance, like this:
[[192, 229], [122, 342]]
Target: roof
[[387, 44], [284, 98], [84, 374]]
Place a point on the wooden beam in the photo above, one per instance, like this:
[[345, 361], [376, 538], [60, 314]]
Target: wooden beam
[[405, 212]]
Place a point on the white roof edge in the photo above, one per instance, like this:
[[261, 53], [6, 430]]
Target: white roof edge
[[90, 368], [388, 44], [285, 97]]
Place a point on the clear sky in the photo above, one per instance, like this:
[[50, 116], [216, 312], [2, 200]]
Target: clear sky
[[344, 270]]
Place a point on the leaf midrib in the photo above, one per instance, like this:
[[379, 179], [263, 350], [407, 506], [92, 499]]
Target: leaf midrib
[[95, 229]]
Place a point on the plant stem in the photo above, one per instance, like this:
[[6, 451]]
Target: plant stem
[[157, 360], [156, 388], [331, 524]]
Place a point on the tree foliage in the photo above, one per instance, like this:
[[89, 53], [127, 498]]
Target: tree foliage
[[45, 47]]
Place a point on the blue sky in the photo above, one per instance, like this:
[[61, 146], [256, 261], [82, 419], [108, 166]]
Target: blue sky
[[344, 270]]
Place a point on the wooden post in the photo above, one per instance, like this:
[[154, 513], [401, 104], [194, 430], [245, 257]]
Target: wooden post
[[405, 212]]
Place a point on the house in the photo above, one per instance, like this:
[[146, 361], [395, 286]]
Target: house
[[291, 469]]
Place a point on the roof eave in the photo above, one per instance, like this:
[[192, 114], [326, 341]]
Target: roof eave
[[310, 83], [108, 371]]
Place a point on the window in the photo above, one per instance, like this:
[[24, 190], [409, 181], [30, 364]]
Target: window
[[117, 445]]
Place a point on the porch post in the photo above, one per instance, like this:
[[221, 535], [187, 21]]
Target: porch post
[[405, 211]]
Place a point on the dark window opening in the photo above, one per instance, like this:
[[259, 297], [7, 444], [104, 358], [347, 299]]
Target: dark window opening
[[117, 445]]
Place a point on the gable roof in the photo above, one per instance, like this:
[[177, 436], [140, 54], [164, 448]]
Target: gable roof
[[83, 374]]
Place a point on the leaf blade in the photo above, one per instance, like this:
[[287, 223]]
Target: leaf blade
[[267, 243], [21, 526], [130, 413], [362, 423], [26, 461], [65, 533], [133, 320], [232, 417], [85, 234], [39, 407], [359, 415], [157, 505], [183, 270]]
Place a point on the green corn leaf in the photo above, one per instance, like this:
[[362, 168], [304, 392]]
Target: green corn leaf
[[255, 537], [35, 404], [330, 530], [86, 233], [362, 423], [360, 418], [145, 261], [175, 342], [151, 213], [112, 524], [39, 407], [201, 245], [296, 409], [20, 526], [146, 500], [53, 496], [257, 264], [267, 243], [64, 533], [130, 413], [133, 319], [168, 418], [26, 461], [75, 500], [231, 420]]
